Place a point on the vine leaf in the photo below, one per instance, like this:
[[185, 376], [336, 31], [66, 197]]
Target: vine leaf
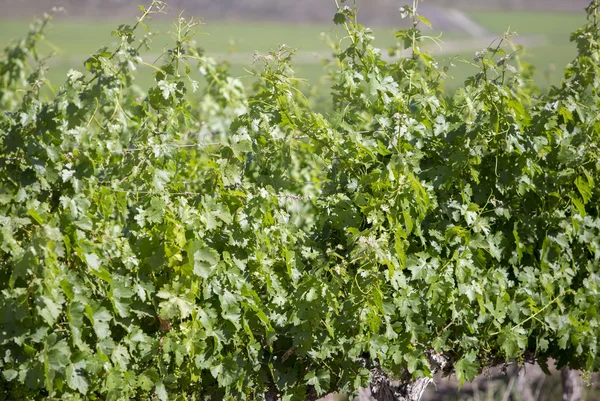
[[466, 368]]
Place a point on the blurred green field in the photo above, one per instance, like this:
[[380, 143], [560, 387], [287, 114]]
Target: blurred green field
[[73, 41], [82, 37], [557, 27], [549, 59]]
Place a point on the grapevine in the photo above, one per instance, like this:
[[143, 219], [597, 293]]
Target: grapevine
[[216, 240]]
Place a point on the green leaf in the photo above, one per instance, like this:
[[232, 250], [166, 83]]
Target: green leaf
[[512, 341], [230, 308], [319, 379], [424, 20], [10, 374], [339, 18], [174, 305], [36, 216], [156, 211], [6, 196], [49, 310], [584, 189], [566, 114], [76, 378], [93, 261], [147, 380], [229, 372], [205, 262], [161, 391], [56, 359], [161, 178], [100, 319], [466, 368], [579, 206]]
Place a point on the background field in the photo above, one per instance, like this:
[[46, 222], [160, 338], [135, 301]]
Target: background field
[[73, 40]]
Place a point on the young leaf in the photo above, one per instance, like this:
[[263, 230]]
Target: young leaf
[[467, 368]]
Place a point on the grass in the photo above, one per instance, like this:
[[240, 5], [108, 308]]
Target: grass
[[82, 37], [549, 59], [558, 51], [74, 40]]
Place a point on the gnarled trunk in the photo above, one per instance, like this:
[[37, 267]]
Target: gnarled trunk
[[389, 391], [384, 388], [572, 385]]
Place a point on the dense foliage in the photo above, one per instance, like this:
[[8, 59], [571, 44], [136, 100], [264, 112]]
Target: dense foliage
[[242, 245]]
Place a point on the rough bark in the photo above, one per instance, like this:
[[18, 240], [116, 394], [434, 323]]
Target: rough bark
[[384, 388], [390, 391], [572, 385]]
